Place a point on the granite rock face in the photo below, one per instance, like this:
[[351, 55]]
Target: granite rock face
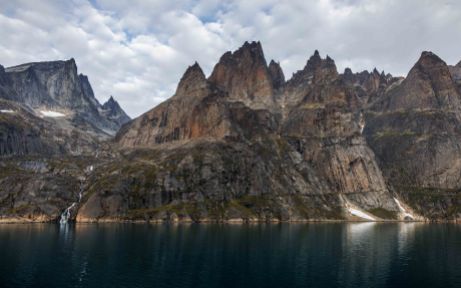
[[245, 76], [414, 130], [56, 86], [243, 144], [50, 126], [267, 150]]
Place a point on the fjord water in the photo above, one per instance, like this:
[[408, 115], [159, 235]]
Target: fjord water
[[263, 255]]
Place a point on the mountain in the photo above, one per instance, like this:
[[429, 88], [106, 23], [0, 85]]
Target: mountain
[[415, 131], [112, 110], [52, 129], [243, 144], [56, 87]]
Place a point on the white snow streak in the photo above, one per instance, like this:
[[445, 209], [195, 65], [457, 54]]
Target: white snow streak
[[7, 111], [402, 209], [360, 214], [53, 114]]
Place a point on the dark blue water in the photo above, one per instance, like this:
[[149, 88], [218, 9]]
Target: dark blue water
[[286, 255]]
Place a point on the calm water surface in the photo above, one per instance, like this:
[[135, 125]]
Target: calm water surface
[[284, 255]]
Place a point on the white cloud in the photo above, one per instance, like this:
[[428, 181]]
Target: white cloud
[[137, 50]]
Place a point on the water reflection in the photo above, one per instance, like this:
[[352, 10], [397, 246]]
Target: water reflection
[[281, 255]]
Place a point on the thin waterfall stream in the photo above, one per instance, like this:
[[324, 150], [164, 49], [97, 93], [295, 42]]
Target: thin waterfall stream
[[65, 216]]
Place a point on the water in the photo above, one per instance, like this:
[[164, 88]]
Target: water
[[284, 255]]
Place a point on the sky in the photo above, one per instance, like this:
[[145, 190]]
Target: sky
[[137, 50]]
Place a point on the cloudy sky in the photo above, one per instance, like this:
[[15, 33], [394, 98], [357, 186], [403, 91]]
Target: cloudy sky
[[136, 50]]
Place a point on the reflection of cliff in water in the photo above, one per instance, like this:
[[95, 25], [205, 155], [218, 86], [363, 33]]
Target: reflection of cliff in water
[[369, 249]]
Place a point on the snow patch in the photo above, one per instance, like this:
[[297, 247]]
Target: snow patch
[[359, 213], [403, 210], [53, 114], [9, 111]]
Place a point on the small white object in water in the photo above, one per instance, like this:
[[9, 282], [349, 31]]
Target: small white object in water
[[53, 114]]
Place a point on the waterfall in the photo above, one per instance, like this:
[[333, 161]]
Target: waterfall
[[65, 216]]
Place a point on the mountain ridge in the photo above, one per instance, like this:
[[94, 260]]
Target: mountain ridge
[[245, 144]]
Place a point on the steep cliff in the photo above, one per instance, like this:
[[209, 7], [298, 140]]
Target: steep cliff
[[414, 129], [243, 144], [246, 145], [56, 86]]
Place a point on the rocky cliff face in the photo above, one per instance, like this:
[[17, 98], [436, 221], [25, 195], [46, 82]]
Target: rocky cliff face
[[245, 76], [56, 86], [414, 129], [24, 133], [244, 144], [51, 128], [456, 74], [268, 149]]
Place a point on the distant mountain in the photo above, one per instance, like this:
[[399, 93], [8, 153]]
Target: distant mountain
[[57, 87], [112, 110]]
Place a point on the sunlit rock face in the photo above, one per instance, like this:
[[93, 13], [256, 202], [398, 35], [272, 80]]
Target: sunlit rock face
[[245, 76], [302, 136]]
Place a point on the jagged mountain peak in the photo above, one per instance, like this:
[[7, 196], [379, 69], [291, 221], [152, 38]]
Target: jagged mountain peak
[[316, 63], [428, 85], [111, 102], [430, 66], [430, 54], [253, 47], [277, 75], [316, 54], [428, 59], [273, 62], [314, 60], [316, 69], [192, 79], [193, 71], [244, 75], [113, 111], [248, 53]]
